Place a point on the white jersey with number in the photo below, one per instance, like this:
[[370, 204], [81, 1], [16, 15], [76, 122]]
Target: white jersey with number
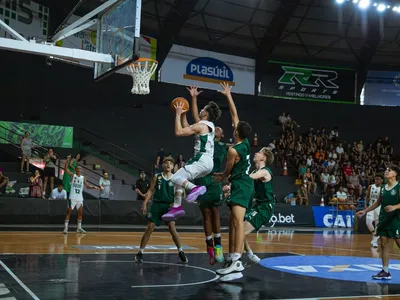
[[76, 192], [204, 144], [374, 193]]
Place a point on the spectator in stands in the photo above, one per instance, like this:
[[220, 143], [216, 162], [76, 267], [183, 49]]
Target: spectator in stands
[[36, 185], [302, 169], [26, 148], [282, 121], [341, 194], [354, 182], [3, 181], [159, 159], [106, 185], [301, 195], [58, 193], [334, 134], [142, 186], [310, 181], [179, 162], [49, 170], [324, 179], [347, 170]]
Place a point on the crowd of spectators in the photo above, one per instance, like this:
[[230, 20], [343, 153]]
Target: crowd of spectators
[[328, 165]]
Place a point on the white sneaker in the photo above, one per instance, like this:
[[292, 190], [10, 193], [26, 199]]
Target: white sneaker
[[253, 260], [65, 230], [80, 230], [234, 266], [374, 243], [230, 277]]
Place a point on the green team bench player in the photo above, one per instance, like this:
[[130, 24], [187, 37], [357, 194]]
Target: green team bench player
[[163, 199], [389, 218]]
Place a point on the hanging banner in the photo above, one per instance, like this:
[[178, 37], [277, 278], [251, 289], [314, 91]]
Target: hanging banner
[[42, 135], [304, 82], [382, 88], [207, 69]]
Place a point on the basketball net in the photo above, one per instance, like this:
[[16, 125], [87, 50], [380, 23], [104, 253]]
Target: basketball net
[[141, 72]]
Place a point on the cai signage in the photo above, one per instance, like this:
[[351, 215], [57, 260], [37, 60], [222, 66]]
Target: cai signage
[[304, 82], [185, 66], [382, 88]]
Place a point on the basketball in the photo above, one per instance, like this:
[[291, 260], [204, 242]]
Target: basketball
[[179, 100]]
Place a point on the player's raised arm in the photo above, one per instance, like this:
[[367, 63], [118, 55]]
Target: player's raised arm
[[195, 109], [186, 131], [261, 174], [226, 90], [184, 120]]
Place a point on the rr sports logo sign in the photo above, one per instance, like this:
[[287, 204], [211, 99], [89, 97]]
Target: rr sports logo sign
[[310, 83], [209, 69]]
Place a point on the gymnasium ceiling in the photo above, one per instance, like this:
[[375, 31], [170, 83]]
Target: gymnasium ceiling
[[311, 29]]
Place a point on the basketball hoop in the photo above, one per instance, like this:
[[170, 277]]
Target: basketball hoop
[[141, 71]]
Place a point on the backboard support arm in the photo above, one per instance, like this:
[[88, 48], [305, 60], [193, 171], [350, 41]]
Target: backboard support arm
[[12, 31]]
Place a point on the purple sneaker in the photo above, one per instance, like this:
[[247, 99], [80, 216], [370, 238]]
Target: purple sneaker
[[173, 214], [195, 193]]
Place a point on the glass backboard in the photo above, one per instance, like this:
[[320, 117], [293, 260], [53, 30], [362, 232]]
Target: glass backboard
[[118, 33]]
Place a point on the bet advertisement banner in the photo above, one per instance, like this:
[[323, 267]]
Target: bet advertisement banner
[[304, 82], [186, 66], [42, 135], [382, 88]]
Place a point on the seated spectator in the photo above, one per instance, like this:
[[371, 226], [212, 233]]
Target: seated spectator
[[106, 184], [339, 150], [341, 194], [354, 182], [58, 193], [3, 181], [310, 181], [331, 164], [347, 170], [142, 186], [302, 169], [282, 120], [36, 185], [334, 134], [324, 179], [272, 145], [301, 195]]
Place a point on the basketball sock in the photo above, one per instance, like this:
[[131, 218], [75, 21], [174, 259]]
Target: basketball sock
[[386, 269], [66, 222], [189, 186], [229, 257], [178, 197], [180, 249], [209, 241], [236, 256], [249, 253], [141, 251], [217, 239], [79, 224]]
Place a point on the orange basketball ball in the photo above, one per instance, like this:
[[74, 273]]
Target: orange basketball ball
[[178, 101]]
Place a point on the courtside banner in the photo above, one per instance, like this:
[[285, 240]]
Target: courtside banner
[[286, 215], [186, 66], [327, 216], [306, 82]]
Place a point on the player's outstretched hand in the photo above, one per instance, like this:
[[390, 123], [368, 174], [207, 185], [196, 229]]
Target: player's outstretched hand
[[144, 208], [226, 89], [360, 214], [179, 108], [193, 91]]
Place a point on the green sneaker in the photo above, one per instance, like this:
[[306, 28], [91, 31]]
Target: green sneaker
[[219, 256]]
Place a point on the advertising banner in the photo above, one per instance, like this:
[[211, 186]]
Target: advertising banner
[[286, 215], [326, 216], [304, 82], [382, 88], [28, 18], [42, 135], [207, 69]]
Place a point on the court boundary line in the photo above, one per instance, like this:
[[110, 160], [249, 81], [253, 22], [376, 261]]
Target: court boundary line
[[347, 297], [19, 281], [162, 263]]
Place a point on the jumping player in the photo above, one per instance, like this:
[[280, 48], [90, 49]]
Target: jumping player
[[163, 190], [202, 162], [389, 219], [76, 197], [373, 193], [242, 188], [212, 199]]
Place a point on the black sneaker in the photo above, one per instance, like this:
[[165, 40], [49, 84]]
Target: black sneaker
[[183, 257], [139, 257], [382, 275]]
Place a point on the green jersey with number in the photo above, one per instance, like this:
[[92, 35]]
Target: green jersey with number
[[164, 189], [389, 197], [242, 167], [263, 190], [219, 156]]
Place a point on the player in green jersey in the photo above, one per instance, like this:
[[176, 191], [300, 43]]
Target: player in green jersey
[[389, 218], [242, 189], [212, 199], [163, 190]]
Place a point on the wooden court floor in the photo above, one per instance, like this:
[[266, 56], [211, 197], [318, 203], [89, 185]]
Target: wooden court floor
[[268, 244]]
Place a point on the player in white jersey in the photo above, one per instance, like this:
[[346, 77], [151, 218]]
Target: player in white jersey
[[202, 162], [75, 199], [373, 193]]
